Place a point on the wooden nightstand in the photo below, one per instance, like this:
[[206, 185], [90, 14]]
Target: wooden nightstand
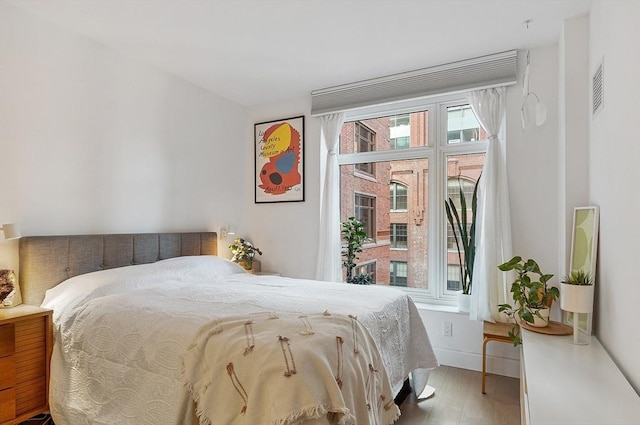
[[26, 341]]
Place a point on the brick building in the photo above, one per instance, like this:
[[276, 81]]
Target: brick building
[[391, 198]]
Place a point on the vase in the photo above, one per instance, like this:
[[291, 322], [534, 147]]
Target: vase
[[576, 298], [537, 321], [251, 266], [255, 266], [247, 264], [464, 302]]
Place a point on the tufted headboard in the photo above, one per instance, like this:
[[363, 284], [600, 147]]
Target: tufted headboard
[[45, 261]]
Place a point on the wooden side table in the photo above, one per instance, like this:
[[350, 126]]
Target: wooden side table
[[26, 341], [493, 332]]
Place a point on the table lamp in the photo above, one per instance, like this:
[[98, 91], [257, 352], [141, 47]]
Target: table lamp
[[11, 230]]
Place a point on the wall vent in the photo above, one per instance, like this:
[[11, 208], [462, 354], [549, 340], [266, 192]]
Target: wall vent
[[598, 89]]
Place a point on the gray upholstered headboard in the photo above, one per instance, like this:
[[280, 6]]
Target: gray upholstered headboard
[[45, 261]]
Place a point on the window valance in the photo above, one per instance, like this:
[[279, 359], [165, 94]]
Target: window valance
[[472, 74]]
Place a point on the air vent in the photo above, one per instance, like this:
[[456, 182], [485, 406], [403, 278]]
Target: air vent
[[598, 89]]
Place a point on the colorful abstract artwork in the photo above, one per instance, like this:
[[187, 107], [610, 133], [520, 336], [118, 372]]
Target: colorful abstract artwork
[[279, 160]]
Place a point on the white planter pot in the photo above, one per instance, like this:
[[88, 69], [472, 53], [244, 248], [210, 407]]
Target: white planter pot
[[576, 298], [464, 302], [540, 322]]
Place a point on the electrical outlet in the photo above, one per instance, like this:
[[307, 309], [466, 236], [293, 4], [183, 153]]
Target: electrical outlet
[[447, 329]]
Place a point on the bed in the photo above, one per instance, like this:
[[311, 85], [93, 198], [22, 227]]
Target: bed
[[155, 328]]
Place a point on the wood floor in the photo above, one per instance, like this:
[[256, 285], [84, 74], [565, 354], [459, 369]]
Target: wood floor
[[458, 400]]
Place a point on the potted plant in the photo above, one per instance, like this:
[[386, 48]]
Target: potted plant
[[577, 296], [243, 252], [531, 294], [354, 236], [464, 232]]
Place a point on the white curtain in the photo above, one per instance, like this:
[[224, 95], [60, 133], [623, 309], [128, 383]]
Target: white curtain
[[493, 223], [329, 266]]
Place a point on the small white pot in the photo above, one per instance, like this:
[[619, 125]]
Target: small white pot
[[540, 322], [464, 302], [576, 298]]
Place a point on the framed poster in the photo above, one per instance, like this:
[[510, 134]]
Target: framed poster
[[279, 161], [584, 249]]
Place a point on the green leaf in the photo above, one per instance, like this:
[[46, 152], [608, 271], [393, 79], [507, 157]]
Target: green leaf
[[527, 316], [545, 278], [510, 265]]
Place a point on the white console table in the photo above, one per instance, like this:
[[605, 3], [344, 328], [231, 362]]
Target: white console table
[[563, 383]]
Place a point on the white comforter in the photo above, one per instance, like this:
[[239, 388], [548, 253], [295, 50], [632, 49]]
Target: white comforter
[[120, 334]]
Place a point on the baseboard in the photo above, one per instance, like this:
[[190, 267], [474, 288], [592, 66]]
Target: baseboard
[[503, 366]]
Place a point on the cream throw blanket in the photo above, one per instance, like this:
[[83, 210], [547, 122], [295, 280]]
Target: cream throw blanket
[[284, 369]]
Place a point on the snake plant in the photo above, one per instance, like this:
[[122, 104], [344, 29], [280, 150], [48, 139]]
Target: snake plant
[[464, 234]]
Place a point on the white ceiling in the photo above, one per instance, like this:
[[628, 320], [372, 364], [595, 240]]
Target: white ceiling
[[257, 52]]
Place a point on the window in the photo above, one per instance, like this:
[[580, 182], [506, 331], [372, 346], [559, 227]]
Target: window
[[453, 278], [399, 236], [365, 142], [410, 242], [398, 121], [398, 197], [400, 142], [369, 268], [462, 125], [398, 273], [365, 210], [399, 132]]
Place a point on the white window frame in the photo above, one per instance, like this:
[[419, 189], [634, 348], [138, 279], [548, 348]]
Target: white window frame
[[436, 153]]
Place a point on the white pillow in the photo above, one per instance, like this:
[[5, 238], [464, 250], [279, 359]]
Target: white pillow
[[210, 265]]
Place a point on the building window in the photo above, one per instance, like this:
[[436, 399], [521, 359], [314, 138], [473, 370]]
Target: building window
[[368, 268], [400, 142], [364, 211], [398, 273], [398, 197], [425, 266], [453, 278], [462, 125], [397, 121], [399, 132], [364, 142], [399, 236]]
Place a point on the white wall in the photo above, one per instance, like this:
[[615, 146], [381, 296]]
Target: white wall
[[287, 231], [573, 121], [532, 164], [614, 180], [93, 141]]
